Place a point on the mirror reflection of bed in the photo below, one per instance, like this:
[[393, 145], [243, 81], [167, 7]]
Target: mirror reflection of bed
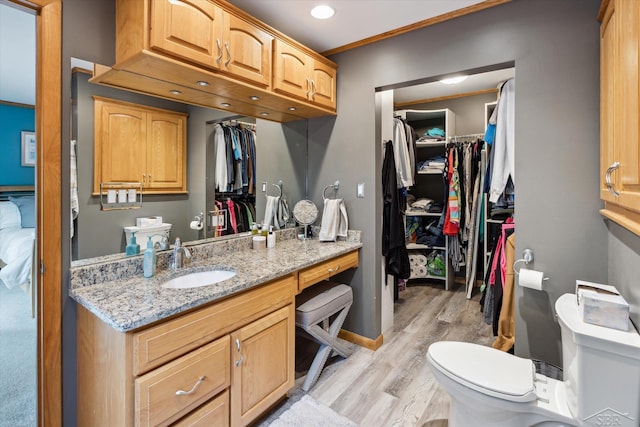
[[17, 299], [17, 240]]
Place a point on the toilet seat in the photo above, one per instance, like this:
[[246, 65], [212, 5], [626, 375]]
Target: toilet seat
[[485, 369]]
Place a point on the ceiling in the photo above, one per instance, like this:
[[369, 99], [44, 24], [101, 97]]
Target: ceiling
[[354, 20], [291, 17]]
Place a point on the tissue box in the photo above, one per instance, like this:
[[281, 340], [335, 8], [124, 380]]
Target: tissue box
[[148, 221], [602, 305]]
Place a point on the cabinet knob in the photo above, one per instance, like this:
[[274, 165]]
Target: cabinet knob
[[144, 178], [607, 178], [308, 87], [334, 270]]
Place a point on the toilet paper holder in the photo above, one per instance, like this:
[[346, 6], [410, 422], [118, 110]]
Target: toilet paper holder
[[527, 257]]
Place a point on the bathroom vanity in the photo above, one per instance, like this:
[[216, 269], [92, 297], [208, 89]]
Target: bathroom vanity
[[219, 354]]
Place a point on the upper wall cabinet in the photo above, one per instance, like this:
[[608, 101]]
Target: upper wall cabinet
[[134, 143], [304, 76], [201, 32], [212, 54], [619, 112]]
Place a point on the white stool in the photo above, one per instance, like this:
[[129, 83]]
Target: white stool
[[314, 307]]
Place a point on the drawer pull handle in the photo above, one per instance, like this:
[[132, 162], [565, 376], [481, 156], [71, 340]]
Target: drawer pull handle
[[334, 270], [193, 389], [239, 361]]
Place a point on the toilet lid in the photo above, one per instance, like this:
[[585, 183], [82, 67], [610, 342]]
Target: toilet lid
[[485, 369]]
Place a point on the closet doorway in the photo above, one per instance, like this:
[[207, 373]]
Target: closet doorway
[[443, 114]]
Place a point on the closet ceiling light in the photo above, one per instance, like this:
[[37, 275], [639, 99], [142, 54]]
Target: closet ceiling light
[[454, 80], [175, 92], [322, 11]]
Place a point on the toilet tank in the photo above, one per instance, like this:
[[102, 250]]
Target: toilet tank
[[601, 369], [143, 233]]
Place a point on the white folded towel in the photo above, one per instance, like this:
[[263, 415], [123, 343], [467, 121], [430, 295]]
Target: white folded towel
[[335, 222], [271, 212]]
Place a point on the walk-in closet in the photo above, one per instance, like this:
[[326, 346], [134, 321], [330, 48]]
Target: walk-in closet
[[449, 193]]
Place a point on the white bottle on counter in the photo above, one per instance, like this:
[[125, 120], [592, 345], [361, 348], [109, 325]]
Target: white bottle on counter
[[271, 238]]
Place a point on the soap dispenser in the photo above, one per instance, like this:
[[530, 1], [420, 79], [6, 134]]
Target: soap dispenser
[[133, 248], [149, 261], [271, 238]]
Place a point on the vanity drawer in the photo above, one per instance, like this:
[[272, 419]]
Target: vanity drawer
[[200, 375], [324, 270], [159, 344], [213, 413]]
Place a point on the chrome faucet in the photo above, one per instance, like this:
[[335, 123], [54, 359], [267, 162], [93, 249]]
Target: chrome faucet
[[179, 254]]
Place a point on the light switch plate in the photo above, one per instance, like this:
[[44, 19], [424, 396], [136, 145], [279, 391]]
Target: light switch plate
[[360, 190], [264, 187]]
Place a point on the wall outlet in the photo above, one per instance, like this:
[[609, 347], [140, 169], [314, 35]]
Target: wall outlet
[[360, 190]]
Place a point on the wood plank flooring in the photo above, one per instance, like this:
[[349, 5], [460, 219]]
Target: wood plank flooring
[[393, 386]]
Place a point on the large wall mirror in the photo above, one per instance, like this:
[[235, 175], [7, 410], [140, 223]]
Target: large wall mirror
[[280, 164]]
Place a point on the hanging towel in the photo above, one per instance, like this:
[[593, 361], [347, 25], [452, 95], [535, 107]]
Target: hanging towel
[[270, 212], [335, 222]]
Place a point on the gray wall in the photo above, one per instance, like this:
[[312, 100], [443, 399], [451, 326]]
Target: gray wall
[[624, 266], [555, 48]]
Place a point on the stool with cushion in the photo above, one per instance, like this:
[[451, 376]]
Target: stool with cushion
[[314, 307]]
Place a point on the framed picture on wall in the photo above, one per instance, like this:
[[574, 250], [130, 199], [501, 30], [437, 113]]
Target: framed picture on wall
[[28, 148]]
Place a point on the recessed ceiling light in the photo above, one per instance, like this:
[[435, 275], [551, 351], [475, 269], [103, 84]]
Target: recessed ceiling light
[[175, 92], [202, 83], [254, 98], [454, 80], [322, 11]]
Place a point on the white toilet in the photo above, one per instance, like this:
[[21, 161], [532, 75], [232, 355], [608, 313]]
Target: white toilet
[[489, 387]]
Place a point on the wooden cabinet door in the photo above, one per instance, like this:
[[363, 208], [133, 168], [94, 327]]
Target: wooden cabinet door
[[628, 178], [120, 132], [247, 51], [290, 67], [187, 29], [323, 84], [619, 104], [262, 368], [166, 151]]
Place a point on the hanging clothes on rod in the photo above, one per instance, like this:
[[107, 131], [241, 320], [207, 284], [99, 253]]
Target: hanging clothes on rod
[[235, 158], [393, 230]]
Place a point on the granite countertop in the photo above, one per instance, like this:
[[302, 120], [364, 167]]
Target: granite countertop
[[130, 303]]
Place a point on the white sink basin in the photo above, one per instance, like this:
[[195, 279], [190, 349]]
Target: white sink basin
[[202, 278]]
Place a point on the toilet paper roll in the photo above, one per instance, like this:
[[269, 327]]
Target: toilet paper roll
[[531, 279], [196, 225]]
